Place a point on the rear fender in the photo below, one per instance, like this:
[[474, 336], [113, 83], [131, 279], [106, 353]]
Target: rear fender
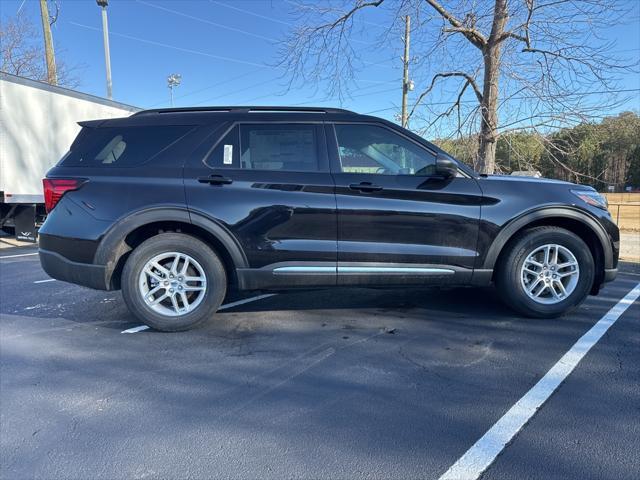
[[113, 246]]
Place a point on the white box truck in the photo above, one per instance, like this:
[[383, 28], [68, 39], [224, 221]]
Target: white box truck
[[38, 123]]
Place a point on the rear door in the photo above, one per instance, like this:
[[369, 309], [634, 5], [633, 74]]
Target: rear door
[[398, 222], [269, 184]]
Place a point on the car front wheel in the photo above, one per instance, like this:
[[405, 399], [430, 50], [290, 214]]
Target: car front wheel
[[546, 271], [173, 282]]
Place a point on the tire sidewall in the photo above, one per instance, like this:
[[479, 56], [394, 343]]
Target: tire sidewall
[[517, 296], [174, 242]]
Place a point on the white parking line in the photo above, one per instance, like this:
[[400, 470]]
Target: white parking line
[[222, 307], [19, 255], [482, 454], [135, 329], [45, 281]]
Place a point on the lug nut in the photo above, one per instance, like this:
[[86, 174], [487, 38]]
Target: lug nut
[[171, 290]]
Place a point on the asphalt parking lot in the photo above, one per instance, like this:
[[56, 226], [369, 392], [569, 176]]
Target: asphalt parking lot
[[351, 383]]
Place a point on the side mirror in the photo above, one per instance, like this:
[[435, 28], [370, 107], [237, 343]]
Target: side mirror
[[446, 167]]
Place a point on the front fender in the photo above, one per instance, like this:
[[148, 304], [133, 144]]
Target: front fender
[[520, 222]]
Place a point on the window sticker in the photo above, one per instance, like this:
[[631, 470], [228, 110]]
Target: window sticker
[[228, 155]]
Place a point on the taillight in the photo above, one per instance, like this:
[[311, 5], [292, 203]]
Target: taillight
[[55, 188]]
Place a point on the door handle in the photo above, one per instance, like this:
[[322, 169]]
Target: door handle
[[215, 180], [365, 187]]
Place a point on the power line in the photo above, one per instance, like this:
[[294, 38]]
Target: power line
[[526, 97], [362, 20], [239, 90], [195, 52], [173, 47], [209, 22], [209, 87], [248, 12], [353, 96], [271, 19]]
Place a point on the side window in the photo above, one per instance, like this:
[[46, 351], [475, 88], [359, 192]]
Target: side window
[[226, 153], [292, 147], [373, 149], [121, 146]]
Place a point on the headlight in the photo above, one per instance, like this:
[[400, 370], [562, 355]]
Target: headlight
[[591, 197]]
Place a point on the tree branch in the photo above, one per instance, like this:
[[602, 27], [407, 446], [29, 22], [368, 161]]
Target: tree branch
[[470, 32], [469, 81], [525, 26], [358, 6]]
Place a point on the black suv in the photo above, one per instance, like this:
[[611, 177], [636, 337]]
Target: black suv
[[177, 206]]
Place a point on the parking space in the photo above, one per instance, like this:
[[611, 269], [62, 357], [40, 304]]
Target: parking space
[[349, 383]]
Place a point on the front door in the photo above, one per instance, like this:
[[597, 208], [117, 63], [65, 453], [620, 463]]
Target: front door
[[398, 222], [270, 186]]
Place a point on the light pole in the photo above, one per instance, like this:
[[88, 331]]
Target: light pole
[[173, 80], [105, 34]]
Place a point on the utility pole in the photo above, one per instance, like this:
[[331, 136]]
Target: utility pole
[[105, 36], [406, 84], [50, 58]]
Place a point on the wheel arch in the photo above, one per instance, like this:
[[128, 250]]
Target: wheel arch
[[570, 219], [125, 235]]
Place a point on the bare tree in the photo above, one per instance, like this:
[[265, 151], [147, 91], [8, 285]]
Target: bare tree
[[513, 64], [21, 52]]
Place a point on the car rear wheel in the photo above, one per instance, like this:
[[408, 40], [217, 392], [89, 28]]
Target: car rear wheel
[[546, 271], [173, 282]]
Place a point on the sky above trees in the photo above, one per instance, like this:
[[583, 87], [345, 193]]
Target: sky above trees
[[228, 51]]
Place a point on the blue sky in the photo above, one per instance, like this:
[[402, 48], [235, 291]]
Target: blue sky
[[225, 51]]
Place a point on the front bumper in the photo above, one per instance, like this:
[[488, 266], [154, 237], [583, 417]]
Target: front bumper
[[85, 274]]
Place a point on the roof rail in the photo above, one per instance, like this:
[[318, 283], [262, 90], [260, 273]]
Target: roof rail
[[245, 109]]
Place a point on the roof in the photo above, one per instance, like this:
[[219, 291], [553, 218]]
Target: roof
[[245, 109], [65, 91]]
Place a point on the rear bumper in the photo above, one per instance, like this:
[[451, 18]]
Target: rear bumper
[[85, 274]]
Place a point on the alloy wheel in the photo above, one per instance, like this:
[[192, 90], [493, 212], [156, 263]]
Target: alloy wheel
[[172, 284], [549, 274]]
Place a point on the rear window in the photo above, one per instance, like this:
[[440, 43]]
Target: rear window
[[121, 146]]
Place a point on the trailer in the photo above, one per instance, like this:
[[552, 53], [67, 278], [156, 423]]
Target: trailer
[[38, 122]]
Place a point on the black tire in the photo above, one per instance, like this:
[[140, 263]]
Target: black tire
[[216, 281], [508, 272]]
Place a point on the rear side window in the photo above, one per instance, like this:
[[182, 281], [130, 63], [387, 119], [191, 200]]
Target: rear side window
[[279, 147], [226, 153], [275, 147], [121, 146]]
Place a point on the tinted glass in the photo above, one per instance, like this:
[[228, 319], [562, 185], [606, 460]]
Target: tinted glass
[[373, 149], [121, 147], [226, 153], [279, 147]]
